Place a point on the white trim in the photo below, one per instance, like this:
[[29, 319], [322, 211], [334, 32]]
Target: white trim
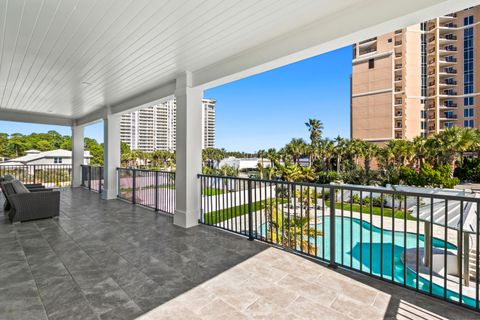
[[373, 92], [44, 118], [155, 95], [366, 57]]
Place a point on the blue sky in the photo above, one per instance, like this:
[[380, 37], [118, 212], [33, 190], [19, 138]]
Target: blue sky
[[268, 109]]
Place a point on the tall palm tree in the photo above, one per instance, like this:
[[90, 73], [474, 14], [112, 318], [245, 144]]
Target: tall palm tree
[[354, 149], [326, 150], [315, 127], [296, 148], [369, 151], [452, 142], [340, 150], [421, 150], [272, 155]]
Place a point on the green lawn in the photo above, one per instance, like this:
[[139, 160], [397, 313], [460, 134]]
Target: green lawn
[[229, 213], [387, 212], [212, 191]]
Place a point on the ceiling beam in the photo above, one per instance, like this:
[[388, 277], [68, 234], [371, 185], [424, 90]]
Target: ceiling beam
[[154, 95], [358, 22], [41, 118]]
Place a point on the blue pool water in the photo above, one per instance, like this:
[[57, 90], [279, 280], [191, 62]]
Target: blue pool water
[[358, 254]]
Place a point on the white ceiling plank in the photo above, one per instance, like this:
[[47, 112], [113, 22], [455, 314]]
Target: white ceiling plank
[[72, 58]]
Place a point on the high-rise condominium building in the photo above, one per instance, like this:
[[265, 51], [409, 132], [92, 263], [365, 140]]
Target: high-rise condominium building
[[418, 80], [153, 128]]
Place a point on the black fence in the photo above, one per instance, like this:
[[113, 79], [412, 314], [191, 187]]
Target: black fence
[[92, 178], [50, 175], [150, 188], [425, 241]]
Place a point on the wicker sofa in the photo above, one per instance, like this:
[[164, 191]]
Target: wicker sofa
[[28, 204], [32, 187]]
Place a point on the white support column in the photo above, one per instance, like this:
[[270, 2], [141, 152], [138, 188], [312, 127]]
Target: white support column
[[111, 149], [77, 155], [188, 151]]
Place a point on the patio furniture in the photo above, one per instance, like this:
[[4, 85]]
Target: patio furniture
[[32, 187], [30, 205]]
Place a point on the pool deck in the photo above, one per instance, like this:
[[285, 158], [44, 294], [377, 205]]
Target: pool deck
[[112, 260]]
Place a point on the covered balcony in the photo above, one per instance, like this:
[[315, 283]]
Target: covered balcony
[[109, 255], [113, 260]]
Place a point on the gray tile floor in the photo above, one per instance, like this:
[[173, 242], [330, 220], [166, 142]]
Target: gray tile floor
[[111, 260]]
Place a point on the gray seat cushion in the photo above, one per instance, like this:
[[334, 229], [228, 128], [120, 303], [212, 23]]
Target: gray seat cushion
[[19, 187], [9, 177]]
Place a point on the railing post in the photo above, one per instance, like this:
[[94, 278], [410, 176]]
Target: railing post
[[34, 171], [250, 211], [89, 177], [332, 263], [156, 191], [134, 185]]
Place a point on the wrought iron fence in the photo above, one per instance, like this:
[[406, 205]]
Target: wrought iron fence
[[92, 178], [424, 241], [50, 175], [150, 188]]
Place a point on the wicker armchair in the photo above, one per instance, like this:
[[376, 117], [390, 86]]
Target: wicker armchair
[[26, 205], [32, 187]]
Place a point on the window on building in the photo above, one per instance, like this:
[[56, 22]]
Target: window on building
[[423, 114], [389, 40], [470, 123], [57, 160], [422, 125], [371, 63], [465, 123]]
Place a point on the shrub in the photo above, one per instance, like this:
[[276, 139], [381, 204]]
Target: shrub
[[329, 176], [469, 170], [428, 176], [356, 198], [377, 201]]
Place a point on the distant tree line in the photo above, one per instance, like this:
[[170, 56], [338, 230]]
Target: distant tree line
[[15, 145]]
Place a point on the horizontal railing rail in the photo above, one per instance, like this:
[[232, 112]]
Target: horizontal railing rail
[[149, 188], [423, 241], [49, 175], [92, 178]]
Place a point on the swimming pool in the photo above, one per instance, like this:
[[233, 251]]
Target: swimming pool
[[373, 254]]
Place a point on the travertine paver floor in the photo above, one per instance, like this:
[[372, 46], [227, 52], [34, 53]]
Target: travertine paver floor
[[111, 260]]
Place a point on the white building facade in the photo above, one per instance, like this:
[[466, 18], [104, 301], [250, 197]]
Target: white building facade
[[35, 157], [154, 128]]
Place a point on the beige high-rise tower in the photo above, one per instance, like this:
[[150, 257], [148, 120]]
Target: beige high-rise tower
[[418, 80]]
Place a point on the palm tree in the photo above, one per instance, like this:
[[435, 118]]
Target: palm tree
[[452, 142], [369, 151], [295, 148], [272, 155], [326, 150], [340, 150], [354, 149], [297, 232], [315, 127], [421, 150]]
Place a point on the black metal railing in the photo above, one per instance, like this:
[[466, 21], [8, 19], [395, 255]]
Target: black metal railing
[[150, 188], [92, 178], [50, 175], [424, 241]]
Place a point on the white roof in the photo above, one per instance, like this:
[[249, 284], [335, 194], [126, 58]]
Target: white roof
[[58, 153], [446, 214]]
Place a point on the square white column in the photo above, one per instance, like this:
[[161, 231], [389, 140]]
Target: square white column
[[188, 152], [111, 157], [78, 155]]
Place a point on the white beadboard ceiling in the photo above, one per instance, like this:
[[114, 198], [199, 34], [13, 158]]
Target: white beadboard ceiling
[[69, 58]]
